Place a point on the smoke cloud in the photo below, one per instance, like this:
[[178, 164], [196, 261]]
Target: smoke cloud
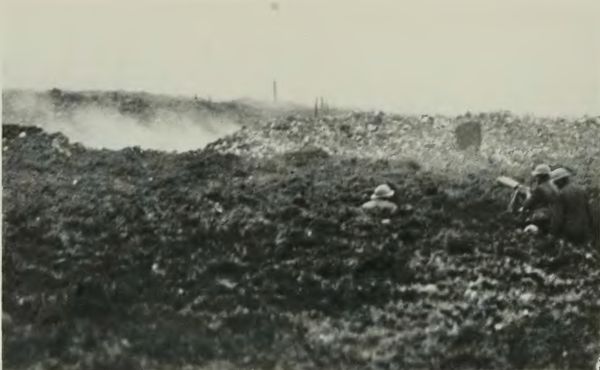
[[97, 125]]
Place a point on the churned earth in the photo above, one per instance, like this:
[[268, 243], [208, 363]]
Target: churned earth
[[239, 257]]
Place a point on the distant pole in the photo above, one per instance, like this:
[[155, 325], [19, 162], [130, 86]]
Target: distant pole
[[274, 5], [316, 107]]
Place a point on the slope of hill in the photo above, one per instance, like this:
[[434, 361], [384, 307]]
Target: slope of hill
[[253, 254], [510, 144]]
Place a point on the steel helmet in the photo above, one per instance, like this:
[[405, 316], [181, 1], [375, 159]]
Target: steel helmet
[[383, 191], [541, 169], [560, 173]]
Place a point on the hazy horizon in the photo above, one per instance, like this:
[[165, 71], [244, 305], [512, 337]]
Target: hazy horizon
[[531, 56]]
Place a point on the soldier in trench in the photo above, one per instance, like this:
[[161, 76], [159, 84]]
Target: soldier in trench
[[381, 201], [543, 202], [576, 221]]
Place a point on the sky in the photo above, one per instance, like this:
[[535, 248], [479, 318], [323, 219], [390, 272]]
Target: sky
[[417, 56]]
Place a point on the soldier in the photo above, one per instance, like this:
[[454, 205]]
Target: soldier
[[576, 224], [543, 201], [380, 201], [594, 205]]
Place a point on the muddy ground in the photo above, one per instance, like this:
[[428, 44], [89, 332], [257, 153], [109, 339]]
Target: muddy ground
[[138, 259]]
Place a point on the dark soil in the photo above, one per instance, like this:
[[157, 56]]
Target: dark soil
[[138, 259]]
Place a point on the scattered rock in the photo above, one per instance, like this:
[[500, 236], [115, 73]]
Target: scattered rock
[[199, 263]]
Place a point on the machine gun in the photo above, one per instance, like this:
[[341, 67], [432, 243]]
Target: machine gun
[[520, 194], [520, 191]]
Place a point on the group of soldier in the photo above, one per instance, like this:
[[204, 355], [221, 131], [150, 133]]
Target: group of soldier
[[552, 205], [558, 206]]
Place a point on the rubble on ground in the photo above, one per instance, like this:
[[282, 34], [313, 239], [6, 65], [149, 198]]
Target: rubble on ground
[[254, 253]]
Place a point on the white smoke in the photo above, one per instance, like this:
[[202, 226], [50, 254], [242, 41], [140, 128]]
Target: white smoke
[[101, 127]]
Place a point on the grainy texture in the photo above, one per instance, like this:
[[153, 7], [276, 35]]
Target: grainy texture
[[241, 256]]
